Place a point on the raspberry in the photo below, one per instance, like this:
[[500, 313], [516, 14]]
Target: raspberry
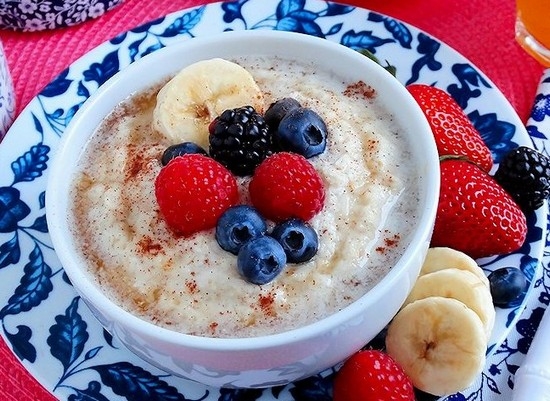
[[286, 185], [193, 191], [240, 140], [525, 174], [372, 375]]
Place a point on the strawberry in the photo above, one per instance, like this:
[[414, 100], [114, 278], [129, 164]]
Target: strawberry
[[372, 375], [286, 185], [475, 214], [454, 133], [192, 192]]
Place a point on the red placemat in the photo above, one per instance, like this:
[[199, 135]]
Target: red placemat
[[481, 31]]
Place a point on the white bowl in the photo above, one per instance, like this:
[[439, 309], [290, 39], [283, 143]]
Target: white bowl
[[273, 359]]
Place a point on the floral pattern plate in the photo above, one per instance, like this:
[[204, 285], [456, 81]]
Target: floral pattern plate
[[55, 335], [38, 15]]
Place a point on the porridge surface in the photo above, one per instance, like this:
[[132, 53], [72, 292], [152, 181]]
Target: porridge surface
[[190, 284]]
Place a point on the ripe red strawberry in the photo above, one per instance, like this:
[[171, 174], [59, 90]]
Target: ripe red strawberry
[[286, 185], [475, 215], [454, 133], [192, 192], [372, 375]]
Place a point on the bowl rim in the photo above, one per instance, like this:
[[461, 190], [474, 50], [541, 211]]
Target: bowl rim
[[88, 288]]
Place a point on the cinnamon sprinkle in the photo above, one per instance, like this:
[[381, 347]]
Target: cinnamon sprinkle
[[192, 286], [135, 162], [148, 246], [360, 89], [266, 303]]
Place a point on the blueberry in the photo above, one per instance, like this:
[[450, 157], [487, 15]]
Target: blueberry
[[508, 286], [237, 225], [261, 259], [302, 131], [298, 239], [277, 110], [180, 149]]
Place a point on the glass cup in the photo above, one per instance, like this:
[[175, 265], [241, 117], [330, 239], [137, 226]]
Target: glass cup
[[533, 28]]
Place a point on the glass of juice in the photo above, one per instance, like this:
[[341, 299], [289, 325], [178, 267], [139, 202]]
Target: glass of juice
[[533, 28]]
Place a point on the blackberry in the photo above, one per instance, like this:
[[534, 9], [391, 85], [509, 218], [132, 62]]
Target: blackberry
[[525, 174], [240, 139]]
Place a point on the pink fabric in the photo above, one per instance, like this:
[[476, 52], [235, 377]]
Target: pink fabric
[[481, 31]]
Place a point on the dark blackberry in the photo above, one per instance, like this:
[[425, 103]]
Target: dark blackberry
[[525, 174], [240, 140]]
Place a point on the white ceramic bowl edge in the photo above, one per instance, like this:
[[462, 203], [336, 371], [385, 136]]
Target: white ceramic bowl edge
[[261, 361]]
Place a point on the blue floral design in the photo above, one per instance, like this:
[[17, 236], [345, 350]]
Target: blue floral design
[[31, 16], [541, 109], [467, 77], [363, 40], [145, 40], [232, 10], [135, 382], [498, 135], [12, 209], [399, 31], [290, 15], [68, 340], [428, 47], [35, 284]]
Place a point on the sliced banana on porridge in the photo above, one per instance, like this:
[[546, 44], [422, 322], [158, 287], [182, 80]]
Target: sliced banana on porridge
[[439, 258], [462, 285], [439, 342], [200, 92]]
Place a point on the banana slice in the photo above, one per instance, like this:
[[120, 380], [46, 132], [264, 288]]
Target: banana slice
[[462, 285], [439, 342], [440, 258], [200, 92]]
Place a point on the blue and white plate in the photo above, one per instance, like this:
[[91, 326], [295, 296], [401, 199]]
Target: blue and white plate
[[43, 320]]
